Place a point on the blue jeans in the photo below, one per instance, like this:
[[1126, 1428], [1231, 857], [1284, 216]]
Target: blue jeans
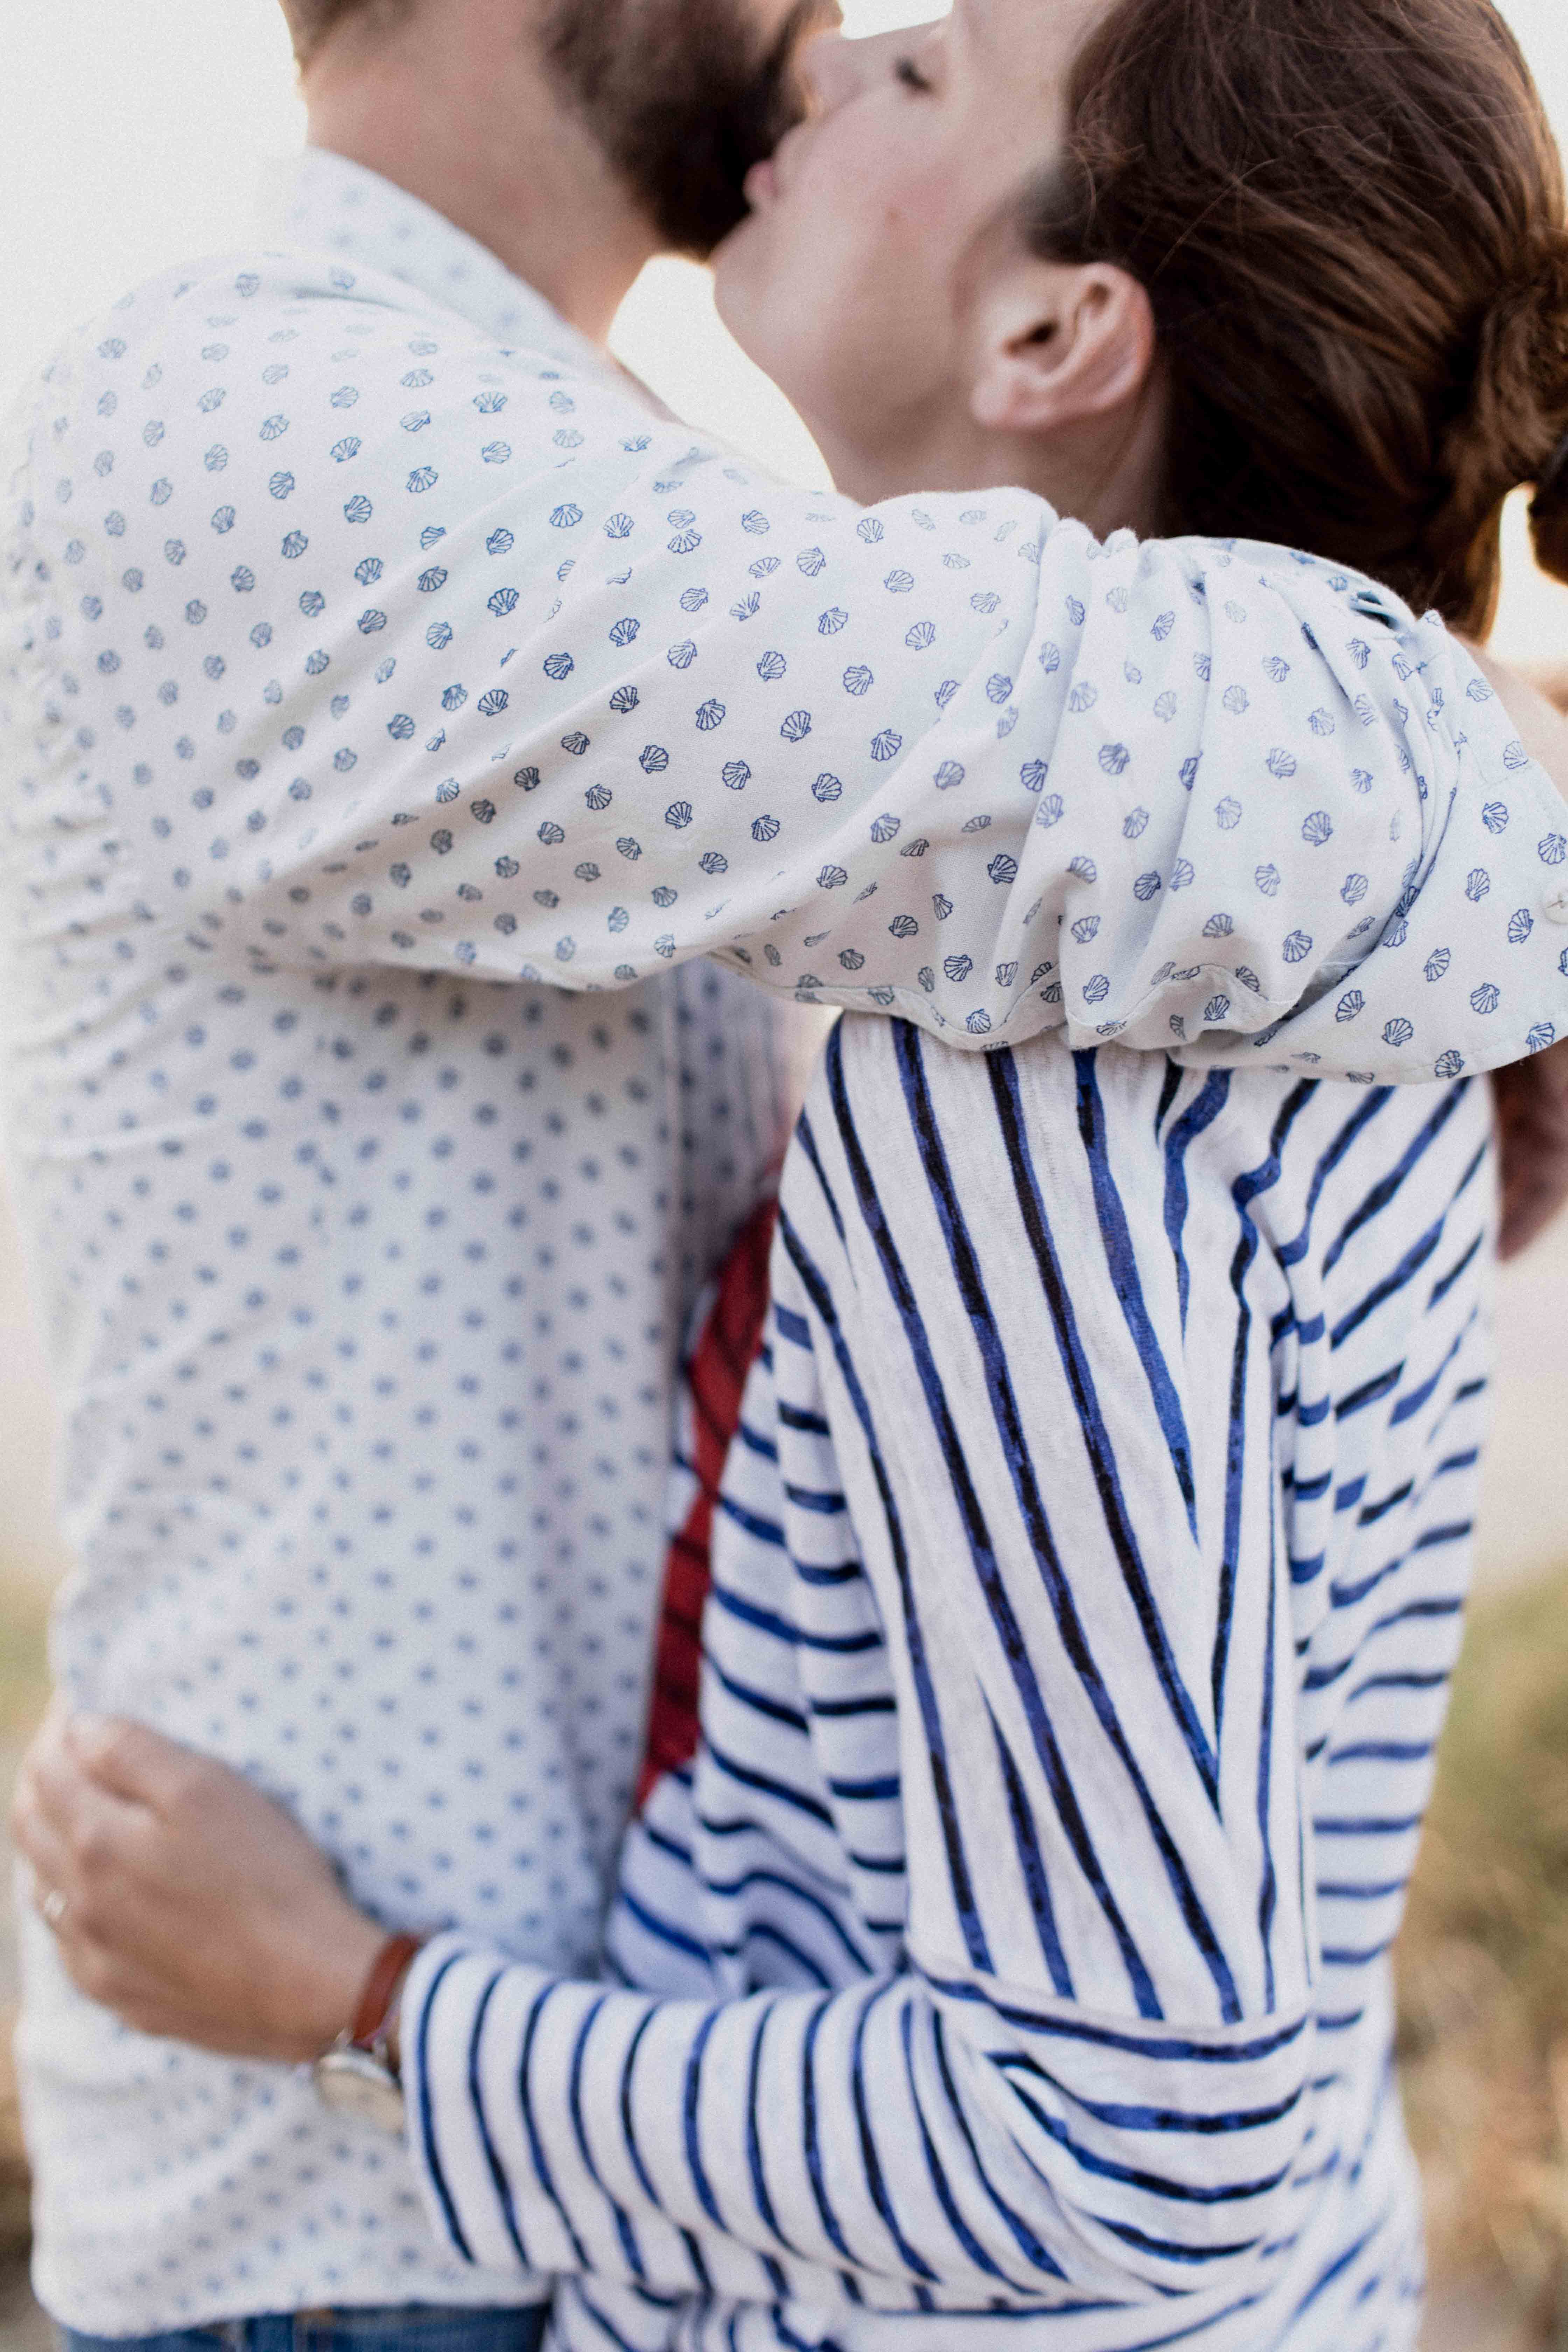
[[412, 2327]]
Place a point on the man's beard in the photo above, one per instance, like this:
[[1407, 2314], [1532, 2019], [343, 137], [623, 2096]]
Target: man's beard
[[681, 100]]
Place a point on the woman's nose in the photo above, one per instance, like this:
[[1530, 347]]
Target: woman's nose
[[837, 69]]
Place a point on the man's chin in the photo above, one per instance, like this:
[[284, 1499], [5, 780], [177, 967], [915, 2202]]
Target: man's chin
[[739, 268], [759, 316], [680, 101]]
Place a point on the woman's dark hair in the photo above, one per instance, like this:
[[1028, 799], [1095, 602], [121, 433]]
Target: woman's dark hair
[[1348, 216]]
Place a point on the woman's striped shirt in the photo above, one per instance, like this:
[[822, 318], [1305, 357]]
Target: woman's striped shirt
[[1088, 1571]]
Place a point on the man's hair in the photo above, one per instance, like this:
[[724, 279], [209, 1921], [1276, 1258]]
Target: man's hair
[[1349, 216], [681, 96]]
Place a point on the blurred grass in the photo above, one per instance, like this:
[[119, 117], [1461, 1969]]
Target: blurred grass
[[1483, 1966], [24, 1684], [24, 1622]]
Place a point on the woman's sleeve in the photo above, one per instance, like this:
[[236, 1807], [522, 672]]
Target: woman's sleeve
[[1091, 2074], [580, 701]]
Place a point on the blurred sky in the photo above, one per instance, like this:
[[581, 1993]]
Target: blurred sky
[[133, 132]]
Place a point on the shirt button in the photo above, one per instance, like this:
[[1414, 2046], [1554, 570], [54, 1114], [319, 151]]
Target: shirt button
[[1554, 906]]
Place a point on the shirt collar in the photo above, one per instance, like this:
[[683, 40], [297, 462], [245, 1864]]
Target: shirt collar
[[323, 200]]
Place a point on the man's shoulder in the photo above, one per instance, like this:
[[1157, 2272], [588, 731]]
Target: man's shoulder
[[286, 312], [262, 371], [292, 293]]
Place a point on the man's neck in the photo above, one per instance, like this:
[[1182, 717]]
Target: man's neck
[[473, 129]]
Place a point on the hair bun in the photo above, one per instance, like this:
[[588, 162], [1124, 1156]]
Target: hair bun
[[1549, 513], [1541, 357], [1515, 430]]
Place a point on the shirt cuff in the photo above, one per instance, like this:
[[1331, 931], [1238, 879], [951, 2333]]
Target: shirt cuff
[[468, 2205]]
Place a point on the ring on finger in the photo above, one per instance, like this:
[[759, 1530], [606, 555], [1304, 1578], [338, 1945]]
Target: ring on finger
[[53, 1907]]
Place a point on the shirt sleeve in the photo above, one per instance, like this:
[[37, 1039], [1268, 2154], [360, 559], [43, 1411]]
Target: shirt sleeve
[[1089, 2072], [545, 691]]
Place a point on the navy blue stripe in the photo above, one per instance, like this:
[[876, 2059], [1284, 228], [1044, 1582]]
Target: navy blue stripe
[[1107, 2037], [1028, 2243], [1391, 1284], [798, 1893], [1432, 1680], [1384, 1190], [628, 2119], [1170, 1087], [1411, 1403], [768, 1785], [913, 2258], [849, 1571], [793, 1417], [542, 2166], [980, 1551], [809, 1499], [493, 2165], [754, 2164], [1121, 1265], [1032, 1864], [935, 2170], [914, 1637], [690, 2102], [1004, 1076], [624, 2230], [812, 2141], [1369, 1392], [1293, 1252], [1128, 2115], [426, 2116], [1133, 2176], [1195, 1120], [784, 1629], [1267, 1893], [1461, 1267], [1370, 1512], [662, 1928], [1244, 1192], [600, 2320], [806, 1139], [778, 1710], [766, 1531]]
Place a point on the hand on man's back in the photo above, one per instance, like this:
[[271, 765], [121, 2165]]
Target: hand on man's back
[[182, 1897], [1532, 1131], [1532, 1096]]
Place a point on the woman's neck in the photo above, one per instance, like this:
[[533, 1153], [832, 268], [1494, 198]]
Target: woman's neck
[[1108, 478]]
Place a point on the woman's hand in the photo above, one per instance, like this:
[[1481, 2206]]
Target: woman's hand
[[1532, 1137], [185, 1900], [1532, 1097]]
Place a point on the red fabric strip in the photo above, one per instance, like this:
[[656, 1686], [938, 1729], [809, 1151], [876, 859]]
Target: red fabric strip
[[716, 1375]]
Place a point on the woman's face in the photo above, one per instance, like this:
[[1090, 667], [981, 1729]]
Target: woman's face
[[853, 281]]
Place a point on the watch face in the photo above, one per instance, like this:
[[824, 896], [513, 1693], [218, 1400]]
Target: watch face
[[351, 2082]]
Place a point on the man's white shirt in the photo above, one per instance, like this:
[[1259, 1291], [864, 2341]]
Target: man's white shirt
[[370, 658]]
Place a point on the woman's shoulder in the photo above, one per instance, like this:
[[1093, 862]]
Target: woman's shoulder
[[895, 1125]]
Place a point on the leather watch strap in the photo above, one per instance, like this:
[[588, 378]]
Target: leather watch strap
[[368, 2030]]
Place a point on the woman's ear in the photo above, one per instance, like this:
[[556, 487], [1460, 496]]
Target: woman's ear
[[1059, 347]]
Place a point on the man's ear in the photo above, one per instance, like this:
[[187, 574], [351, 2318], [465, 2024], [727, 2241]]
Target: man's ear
[[1059, 346]]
